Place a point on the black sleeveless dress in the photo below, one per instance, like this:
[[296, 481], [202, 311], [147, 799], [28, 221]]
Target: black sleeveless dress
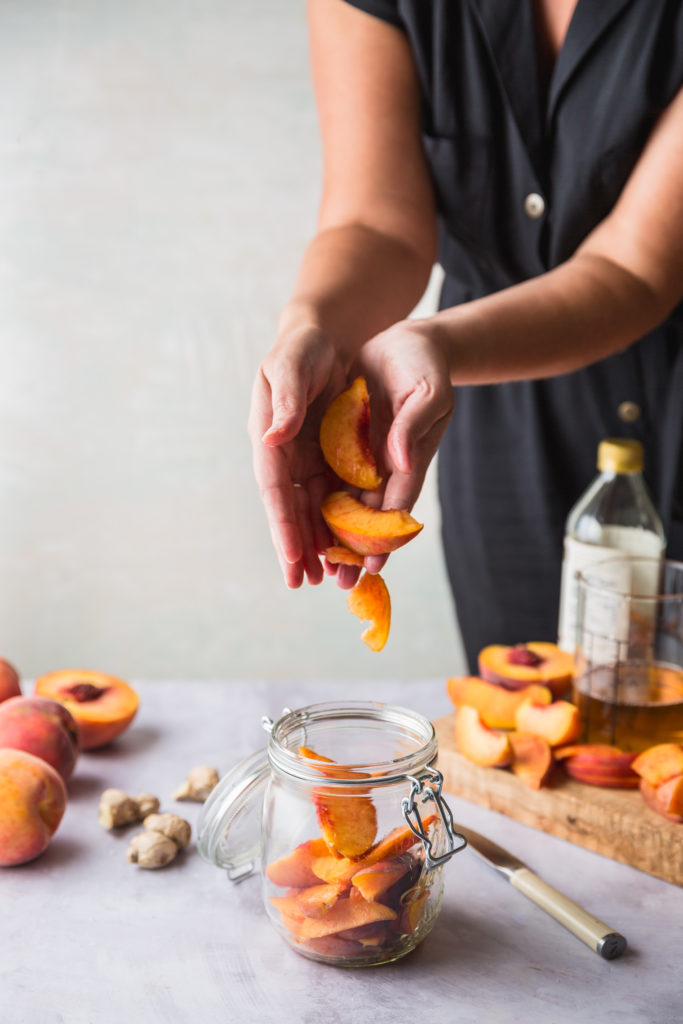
[[520, 180]]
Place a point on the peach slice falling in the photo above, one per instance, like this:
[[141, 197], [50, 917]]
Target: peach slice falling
[[495, 704], [369, 600], [365, 530], [478, 743], [345, 437], [522, 664], [102, 705]]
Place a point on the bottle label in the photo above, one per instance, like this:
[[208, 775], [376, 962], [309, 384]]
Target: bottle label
[[578, 556]]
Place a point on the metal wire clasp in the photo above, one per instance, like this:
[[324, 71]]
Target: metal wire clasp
[[429, 788]]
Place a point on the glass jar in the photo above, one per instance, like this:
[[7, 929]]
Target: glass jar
[[344, 814]]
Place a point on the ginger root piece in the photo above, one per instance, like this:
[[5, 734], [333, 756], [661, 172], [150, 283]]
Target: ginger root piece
[[117, 808], [170, 825], [151, 850], [198, 784]]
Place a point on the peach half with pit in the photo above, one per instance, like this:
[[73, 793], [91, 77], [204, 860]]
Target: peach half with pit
[[523, 664], [478, 743], [102, 705], [366, 530], [495, 704], [32, 803], [10, 685], [41, 727], [345, 437]]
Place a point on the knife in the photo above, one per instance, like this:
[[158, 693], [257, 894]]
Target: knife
[[596, 934]]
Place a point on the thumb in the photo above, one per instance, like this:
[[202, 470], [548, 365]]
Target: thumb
[[289, 404]]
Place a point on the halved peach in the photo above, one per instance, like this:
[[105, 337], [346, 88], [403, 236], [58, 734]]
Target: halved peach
[[365, 530], [295, 870], [337, 554], [532, 759], [369, 600], [522, 664], [102, 705], [658, 798], [659, 763], [478, 743], [557, 723], [345, 437], [496, 704]]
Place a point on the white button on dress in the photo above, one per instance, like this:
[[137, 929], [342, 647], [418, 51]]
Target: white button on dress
[[534, 205]]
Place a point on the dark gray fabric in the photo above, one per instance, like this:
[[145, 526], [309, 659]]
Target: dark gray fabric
[[517, 456]]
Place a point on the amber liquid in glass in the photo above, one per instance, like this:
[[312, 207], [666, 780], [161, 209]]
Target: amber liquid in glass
[[630, 706]]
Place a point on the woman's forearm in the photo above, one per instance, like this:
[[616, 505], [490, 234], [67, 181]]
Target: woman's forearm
[[583, 311], [353, 283]]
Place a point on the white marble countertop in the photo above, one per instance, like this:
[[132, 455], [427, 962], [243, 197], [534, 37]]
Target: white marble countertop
[[86, 938]]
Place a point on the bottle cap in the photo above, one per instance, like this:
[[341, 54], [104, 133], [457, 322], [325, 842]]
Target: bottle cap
[[620, 455]]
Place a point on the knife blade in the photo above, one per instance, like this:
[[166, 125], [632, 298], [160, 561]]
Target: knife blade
[[595, 933]]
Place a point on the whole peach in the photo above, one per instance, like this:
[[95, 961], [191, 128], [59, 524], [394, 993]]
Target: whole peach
[[9, 681], [41, 727], [32, 803]]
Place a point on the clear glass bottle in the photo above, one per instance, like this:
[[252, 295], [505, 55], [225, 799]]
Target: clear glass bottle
[[614, 517], [343, 813]]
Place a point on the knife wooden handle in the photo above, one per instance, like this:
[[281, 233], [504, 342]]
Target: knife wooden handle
[[596, 934]]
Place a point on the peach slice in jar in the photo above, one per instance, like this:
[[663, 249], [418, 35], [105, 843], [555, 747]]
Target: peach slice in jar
[[347, 818], [345, 437], [369, 601], [366, 530], [102, 705]]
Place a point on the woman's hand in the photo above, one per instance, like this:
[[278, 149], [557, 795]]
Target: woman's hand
[[294, 385], [411, 403]]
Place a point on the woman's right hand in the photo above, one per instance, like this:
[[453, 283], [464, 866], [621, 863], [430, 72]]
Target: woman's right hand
[[294, 384]]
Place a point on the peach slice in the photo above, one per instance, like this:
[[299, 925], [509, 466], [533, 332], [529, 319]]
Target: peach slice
[[659, 763], [599, 764], [336, 554], [348, 912], [347, 821], [557, 723], [345, 437], [295, 870], [365, 530], [495, 703], [333, 945], [413, 910], [342, 869], [373, 881], [369, 600], [102, 705], [532, 759], [536, 662], [672, 792], [657, 799], [367, 934], [478, 743], [317, 900]]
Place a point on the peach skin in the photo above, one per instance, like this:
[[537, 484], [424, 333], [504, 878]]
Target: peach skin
[[102, 705], [345, 437], [32, 803], [369, 600], [366, 530]]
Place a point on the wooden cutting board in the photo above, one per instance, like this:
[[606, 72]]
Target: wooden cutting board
[[615, 823]]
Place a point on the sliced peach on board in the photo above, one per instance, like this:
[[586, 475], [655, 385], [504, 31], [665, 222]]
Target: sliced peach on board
[[557, 723], [522, 664], [337, 554], [532, 759], [102, 705], [345, 437], [317, 900], [365, 530], [659, 763], [478, 743], [659, 798], [598, 764], [495, 703], [295, 870], [373, 881], [369, 600]]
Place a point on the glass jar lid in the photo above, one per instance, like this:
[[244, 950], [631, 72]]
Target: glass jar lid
[[229, 826]]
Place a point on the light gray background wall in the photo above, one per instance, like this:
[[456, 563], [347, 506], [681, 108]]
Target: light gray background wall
[[158, 181]]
